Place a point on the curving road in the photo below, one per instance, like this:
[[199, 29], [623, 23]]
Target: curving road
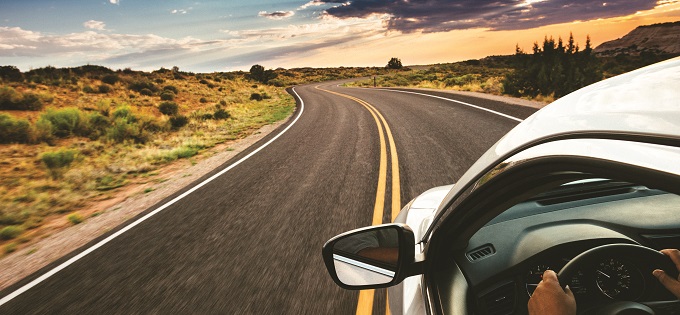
[[248, 241]]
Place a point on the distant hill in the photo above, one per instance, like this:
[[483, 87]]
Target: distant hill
[[663, 38]]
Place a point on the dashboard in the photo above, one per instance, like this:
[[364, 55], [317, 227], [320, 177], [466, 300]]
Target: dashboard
[[504, 260]]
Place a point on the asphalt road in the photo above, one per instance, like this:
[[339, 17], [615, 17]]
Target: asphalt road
[[249, 242]]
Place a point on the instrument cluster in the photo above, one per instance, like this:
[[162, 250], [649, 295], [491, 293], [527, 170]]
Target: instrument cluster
[[611, 278]]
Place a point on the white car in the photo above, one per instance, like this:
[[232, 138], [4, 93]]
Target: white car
[[587, 186]]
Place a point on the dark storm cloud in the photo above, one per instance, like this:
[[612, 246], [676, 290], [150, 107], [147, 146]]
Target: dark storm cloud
[[445, 15]]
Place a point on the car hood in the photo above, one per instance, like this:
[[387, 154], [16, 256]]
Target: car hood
[[610, 107]]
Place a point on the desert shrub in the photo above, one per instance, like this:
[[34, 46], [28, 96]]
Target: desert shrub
[[128, 126], [171, 88], [75, 218], [203, 100], [168, 108], [57, 161], [105, 89], [256, 97], [14, 130], [207, 116], [149, 123], [124, 112], [123, 129], [178, 121], [139, 86], [10, 232], [221, 114], [96, 125], [12, 100], [65, 121], [146, 92], [223, 102], [42, 130], [167, 96], [89, 89], [111, 79], [159, 81], [203, 81], [10, 247]]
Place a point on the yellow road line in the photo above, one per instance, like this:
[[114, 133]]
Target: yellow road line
[[366, 297]]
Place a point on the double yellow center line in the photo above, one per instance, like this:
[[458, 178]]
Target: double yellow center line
[[365, 305]]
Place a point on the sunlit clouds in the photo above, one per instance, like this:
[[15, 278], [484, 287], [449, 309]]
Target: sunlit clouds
[[218, 36], [95, 25]]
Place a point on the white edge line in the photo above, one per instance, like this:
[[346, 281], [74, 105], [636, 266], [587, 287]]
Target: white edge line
[[101, 243], [459, 102], [356, 263]]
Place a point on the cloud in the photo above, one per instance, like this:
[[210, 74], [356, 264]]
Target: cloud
[[313, 3], [15, 42], [114, 1], [95, 25], [276, 15], [445, 15], [181, 11]]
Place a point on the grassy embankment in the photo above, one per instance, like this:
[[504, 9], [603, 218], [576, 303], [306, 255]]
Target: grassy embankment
[[71, 142], [485, 75]]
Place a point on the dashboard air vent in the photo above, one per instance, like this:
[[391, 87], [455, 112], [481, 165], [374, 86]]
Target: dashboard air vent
[[480, 253], [500, 301]]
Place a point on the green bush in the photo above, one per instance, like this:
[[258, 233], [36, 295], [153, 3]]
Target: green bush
[[10, 99], [178, 121], [168, 108], [110, 79], [96, 125], [171, 88], [146, 92], [221, 114], [124, 112], [122, 130], [89, 89], [10, 232], [167, 96], [141, 85], [256, 97], [105, 89], [57, 161], [65, 122], [42, 130], [14, 130], [75, 218]]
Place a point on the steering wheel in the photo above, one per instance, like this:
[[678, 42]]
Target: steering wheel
[[647, 260]]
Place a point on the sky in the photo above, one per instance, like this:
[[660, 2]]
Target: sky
[[227, 35]]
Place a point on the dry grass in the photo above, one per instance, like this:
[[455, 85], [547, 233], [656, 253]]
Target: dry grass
[[35, 200]]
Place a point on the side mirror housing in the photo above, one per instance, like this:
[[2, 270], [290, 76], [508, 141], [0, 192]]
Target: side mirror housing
[[371, 257]]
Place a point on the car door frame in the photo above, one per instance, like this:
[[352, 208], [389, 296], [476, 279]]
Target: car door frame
[[527, 173]]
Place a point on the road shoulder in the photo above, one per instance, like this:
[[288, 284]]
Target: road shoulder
[[126, 205]]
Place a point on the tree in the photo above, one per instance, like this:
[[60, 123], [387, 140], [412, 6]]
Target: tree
[[553, 69], [394, 63], [258, 73]]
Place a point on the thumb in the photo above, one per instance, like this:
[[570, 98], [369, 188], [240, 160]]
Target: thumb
[[671, 284]]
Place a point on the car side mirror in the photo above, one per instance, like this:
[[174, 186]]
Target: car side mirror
[[371, 257]]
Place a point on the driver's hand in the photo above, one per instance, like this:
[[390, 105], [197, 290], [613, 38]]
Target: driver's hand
[[550, 298], [671, 284]]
